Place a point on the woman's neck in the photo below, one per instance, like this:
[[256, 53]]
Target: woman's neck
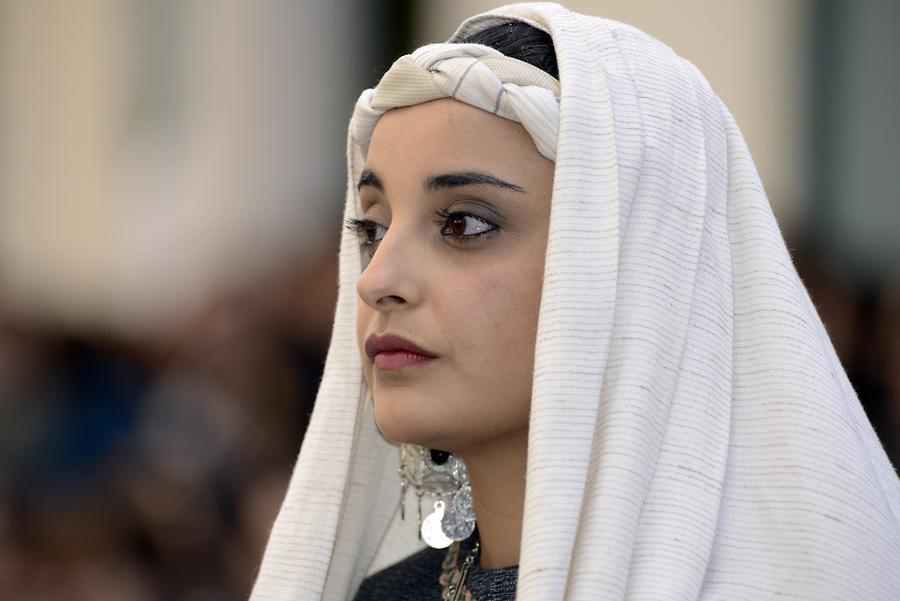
[[497, 474]]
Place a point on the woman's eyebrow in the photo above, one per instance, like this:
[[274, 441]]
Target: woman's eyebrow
[[467, 178], [370, 179], [444, 181]]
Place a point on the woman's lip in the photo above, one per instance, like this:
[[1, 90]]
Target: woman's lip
[[389, 343], [397, 360]]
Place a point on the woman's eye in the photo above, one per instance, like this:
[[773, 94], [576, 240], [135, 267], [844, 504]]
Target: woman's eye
[[369, 232], [459, 226], [464, 226]]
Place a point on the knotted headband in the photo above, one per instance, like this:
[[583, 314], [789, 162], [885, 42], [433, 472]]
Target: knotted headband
[[471, 73]]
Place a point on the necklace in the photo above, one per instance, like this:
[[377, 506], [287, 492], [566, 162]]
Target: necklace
[[453, 576]]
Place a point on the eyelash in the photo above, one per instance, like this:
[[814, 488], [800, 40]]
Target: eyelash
[[361, 226], [446, 216]]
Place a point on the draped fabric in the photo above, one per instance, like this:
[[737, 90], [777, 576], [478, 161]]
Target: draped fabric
[[692, 433]]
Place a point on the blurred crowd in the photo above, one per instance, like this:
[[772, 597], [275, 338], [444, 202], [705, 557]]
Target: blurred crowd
[[153, 470]]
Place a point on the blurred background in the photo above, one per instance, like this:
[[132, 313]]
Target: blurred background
[[171, 185]]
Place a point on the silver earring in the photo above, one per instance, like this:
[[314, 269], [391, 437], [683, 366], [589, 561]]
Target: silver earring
[[404, 483], [442, 475]]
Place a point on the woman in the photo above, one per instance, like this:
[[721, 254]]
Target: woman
[[595, 300]]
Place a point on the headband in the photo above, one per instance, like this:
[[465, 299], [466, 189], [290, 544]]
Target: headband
[[471, 73]]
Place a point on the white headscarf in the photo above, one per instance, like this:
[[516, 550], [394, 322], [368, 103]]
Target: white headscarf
[[692, 433]]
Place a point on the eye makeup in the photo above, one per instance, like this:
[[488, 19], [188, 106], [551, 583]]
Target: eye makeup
[[463, 226], [458, 227], [366, 231]]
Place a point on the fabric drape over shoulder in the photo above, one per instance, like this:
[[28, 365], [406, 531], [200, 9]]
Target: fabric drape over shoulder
[[693, 434]]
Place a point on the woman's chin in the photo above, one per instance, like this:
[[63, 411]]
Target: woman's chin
[[410, 427]]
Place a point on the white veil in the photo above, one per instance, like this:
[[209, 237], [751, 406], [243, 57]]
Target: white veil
[[692, 433]]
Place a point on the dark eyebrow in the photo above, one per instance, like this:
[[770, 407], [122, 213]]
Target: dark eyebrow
[[467, 178], [370, 179]]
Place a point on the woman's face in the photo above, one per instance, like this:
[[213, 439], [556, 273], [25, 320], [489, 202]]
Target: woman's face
[[456, 204]]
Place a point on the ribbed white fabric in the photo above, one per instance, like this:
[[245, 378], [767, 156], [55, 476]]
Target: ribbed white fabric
[[693, 434]]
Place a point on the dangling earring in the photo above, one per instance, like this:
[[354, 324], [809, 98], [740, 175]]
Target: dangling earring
[[444, 476], [404, 482]]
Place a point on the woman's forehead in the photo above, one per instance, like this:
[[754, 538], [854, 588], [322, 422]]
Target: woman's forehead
[[449, 133], [448, 115]]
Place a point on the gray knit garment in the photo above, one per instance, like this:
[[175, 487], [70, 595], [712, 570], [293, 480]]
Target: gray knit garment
[[416, 579]]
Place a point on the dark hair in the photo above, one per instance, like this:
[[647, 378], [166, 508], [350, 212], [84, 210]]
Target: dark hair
[[519, 40]]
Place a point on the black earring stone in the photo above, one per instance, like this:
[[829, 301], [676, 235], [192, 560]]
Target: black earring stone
[[439, 457]]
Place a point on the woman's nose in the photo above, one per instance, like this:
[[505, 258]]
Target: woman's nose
[[389, 281]]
